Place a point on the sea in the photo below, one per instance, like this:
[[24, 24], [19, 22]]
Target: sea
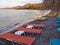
[[10, 17]]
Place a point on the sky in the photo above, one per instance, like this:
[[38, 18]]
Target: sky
[[12, 3]]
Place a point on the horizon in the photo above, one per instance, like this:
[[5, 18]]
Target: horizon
[[12, 3]]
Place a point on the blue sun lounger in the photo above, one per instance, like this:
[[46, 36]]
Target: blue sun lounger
[[54, 41], [57, 19], [57, 25], [58, 30]]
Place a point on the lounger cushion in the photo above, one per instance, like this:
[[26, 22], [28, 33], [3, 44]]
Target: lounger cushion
[[55, 41], [19, 32], [29, 26]]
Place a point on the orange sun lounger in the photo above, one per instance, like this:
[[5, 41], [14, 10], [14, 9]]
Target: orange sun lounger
[[38, 25], [29, 30], [18, 39]]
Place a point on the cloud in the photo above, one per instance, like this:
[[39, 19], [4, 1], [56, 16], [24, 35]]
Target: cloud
[[11, 3]]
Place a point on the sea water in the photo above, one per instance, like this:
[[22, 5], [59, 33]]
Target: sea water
[[10, 17]]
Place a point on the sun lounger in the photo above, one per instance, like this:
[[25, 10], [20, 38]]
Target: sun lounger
[[54, 41], [57, 18], [18, 39], [58, 21], [58, 30], [29, 30], [38, 25], [57, 25], [52, 15]]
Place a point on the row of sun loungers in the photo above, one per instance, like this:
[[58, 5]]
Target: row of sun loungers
[[57, 24], [56, 41], [23, 39]]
